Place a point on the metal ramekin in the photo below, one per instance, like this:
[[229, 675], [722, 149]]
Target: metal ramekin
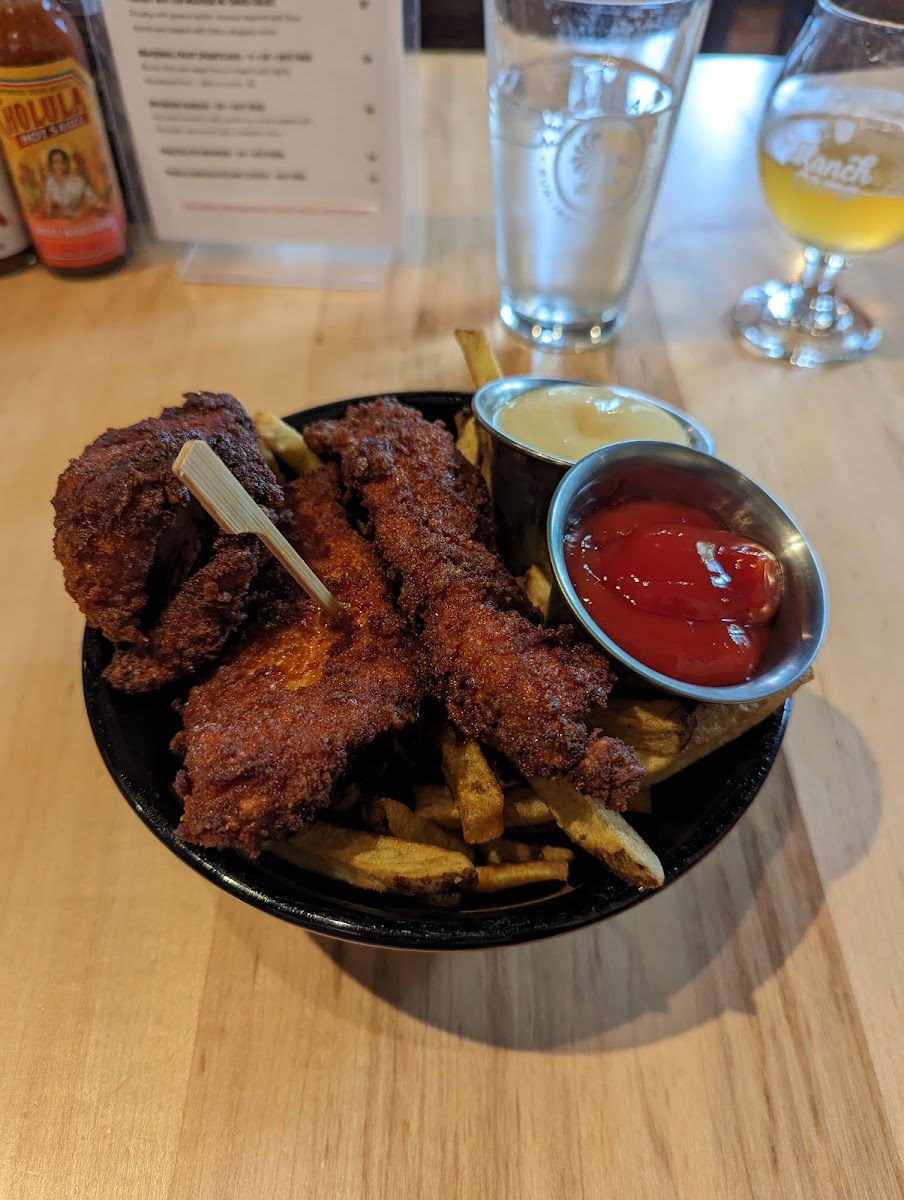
[[522, 481], [660, 471]]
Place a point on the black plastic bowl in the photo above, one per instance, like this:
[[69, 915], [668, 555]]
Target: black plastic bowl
[[691, 813]]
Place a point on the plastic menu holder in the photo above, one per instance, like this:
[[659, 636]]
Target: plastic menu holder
[[263, 137], [353, 268]]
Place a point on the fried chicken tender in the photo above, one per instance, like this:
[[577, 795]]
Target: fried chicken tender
[[143, 562], [503, 677], [268, 735]]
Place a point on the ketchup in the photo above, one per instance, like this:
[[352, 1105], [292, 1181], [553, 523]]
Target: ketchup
[[675, 589]]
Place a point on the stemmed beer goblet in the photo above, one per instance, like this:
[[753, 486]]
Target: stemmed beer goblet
[[831, 153]]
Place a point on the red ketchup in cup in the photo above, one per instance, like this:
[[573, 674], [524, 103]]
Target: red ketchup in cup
[[676, 590]]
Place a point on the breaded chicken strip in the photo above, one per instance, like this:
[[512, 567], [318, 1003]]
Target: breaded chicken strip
[[267, 736], [503, 677], [141, 559]]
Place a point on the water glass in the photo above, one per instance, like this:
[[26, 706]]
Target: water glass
[[583, 98]]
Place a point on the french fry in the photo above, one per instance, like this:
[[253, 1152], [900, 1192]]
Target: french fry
[[435, 802], [657, 730], [468, 443], [344, 872], [502, 876], [522, 809], [716, 725], [525, 809], [270, 459], [504, 851], [478, 354], [475, 789], [384, 815], [286, 443], [602, 833], [460, 418], [538, 589], [484, 368], [377, 863]]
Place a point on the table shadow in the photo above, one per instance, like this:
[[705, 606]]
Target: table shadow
[[676, 961]]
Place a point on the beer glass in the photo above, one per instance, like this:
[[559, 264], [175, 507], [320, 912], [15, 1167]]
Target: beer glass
[[583, 97], [831, 154]]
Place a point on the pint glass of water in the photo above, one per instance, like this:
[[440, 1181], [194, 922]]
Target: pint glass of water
[[583, 98]]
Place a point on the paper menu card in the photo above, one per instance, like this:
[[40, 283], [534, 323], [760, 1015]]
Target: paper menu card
[[265, 121]]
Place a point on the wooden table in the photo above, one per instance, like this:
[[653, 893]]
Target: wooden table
[[738, 1036]]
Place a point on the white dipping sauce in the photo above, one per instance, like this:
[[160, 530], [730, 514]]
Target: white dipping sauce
[[571, 420]]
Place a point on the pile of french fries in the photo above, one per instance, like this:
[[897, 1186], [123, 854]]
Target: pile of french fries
[[484, 830]]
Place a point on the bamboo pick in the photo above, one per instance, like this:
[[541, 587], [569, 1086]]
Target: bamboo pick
[[222, 496]]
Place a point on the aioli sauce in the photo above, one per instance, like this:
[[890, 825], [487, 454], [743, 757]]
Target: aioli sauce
[[570, 421]]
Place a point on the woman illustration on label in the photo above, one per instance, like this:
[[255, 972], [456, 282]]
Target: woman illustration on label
[[67, 193]]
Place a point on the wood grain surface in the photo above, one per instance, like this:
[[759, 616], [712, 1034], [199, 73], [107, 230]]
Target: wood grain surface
[[738, 1036]]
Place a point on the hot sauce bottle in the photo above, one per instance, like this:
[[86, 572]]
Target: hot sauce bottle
[[54, 141]]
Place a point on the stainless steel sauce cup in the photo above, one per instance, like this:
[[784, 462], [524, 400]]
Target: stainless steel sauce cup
[[657, 470], [522, 480]]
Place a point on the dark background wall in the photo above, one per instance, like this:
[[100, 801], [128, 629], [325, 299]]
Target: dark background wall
[[735, 26]]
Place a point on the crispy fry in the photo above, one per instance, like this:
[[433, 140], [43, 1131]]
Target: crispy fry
[[323, 866], [467, 437], [718, 724], [501, 876], [504, 851], [384, 815], [478, 354], [468, 443], [474, 787], [484, 368], [434, 802], [270, 459], [657, 730], [602, 833], [286, 443], [524, 808], [380, 864], [538, 589]]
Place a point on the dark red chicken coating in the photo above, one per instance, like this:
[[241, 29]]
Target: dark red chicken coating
[[144, 564], [504, 678], [267, 736]]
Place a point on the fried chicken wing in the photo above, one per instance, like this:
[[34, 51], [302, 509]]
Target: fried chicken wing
[[267, 736], [503, 677], [140, 558]]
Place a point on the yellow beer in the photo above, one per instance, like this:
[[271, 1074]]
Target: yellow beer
[[835, 182]]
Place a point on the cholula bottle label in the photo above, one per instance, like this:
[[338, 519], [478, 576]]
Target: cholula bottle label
[[55, 144]]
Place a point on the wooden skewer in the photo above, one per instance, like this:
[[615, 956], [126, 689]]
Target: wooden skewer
[[222, 496]]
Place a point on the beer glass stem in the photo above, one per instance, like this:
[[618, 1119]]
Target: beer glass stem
[[806, 322], [817, 283]]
